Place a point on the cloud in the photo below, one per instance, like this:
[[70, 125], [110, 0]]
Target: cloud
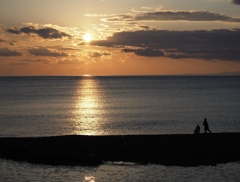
[[41, 51], [166, 39], [7, 52], [44, 61], [145, 52], [97, 54], [64, 48], [170, 15], [219, 44], [45, 33], [8, 42], [236, 2], [2, 40], [212, 54], [70, 61], [30, 61]]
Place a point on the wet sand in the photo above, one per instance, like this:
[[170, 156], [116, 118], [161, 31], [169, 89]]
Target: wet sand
[[179, 150]]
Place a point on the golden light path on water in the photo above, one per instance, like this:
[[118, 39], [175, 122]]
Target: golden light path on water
[[88, 110]]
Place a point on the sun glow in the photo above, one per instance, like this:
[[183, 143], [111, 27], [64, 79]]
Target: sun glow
[[88, 110], [87, 37], [87, 75]]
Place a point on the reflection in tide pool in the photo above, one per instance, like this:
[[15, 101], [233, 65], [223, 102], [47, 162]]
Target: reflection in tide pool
[[89, 178], [88, 110], [21, 171]]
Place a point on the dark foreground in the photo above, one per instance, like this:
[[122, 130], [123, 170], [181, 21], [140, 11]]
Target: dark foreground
[[180, 150]]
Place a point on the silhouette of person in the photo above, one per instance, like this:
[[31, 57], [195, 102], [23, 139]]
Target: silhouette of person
[[197, 130], [206, 127]]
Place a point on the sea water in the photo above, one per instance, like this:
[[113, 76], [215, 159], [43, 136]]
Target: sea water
[[47, 106]]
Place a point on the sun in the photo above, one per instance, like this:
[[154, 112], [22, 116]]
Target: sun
[[87, 75], [87, 37]]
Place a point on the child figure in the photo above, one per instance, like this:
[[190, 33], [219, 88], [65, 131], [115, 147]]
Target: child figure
[[197, 130]]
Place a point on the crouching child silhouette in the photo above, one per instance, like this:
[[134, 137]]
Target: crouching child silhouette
[[197, 130]]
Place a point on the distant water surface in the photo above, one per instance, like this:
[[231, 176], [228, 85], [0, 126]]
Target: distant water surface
[[45, 106]]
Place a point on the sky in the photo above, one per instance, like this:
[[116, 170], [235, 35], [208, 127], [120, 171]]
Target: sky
[[113, 37]]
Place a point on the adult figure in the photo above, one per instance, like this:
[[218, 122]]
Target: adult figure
[[206, 127]]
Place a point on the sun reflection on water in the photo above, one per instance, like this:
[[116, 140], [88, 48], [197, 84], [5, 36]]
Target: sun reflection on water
[[88, 108]]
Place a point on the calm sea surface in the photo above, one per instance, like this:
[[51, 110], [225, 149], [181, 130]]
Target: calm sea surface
[[46, 106]]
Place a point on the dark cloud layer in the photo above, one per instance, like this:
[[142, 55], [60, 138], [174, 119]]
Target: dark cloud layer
[[7, 52], [236, 2], [174, 15], [214, 44], [165, 39], [145, 52], [45, 33], [41, 51]]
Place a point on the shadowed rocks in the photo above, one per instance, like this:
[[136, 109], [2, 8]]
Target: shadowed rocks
[[180, 150]]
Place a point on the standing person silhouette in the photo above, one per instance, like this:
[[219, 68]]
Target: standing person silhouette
[[206, 127]]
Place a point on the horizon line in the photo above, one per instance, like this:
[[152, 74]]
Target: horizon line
[[130, 75]]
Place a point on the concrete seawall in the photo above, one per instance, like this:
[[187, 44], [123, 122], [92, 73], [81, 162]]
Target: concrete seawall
[[179, 150]]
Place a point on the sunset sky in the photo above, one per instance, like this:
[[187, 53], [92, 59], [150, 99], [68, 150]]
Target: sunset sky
[[119, 37]]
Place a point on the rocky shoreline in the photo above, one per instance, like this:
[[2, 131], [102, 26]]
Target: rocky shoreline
[[178, 150]]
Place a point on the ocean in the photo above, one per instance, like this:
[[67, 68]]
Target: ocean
[[117, 105]]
